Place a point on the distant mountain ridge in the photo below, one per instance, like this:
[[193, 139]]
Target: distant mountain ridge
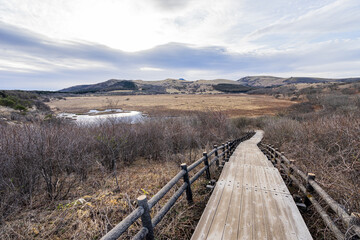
[[319, 80], [169, 85], [270, 81], [109, 85], [172, 85], [261, 81]]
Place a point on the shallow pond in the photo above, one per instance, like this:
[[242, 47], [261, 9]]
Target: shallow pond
[[96, 116]]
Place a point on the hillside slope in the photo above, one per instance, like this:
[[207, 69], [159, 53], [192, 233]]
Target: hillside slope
[[261, 81], [169, 85], [270, 81], [106, 86]]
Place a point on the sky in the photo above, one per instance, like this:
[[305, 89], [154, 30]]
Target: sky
[[54, 44]]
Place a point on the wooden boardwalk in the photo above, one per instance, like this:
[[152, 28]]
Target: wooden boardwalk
[[250, 201]]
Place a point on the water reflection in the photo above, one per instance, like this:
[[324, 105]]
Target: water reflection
[[96, 116]]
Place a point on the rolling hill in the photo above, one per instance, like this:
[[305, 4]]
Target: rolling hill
[[107, 86], [270, 81], [261, 81], [171, 85]]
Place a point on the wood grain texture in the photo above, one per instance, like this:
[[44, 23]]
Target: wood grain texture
[[250, 201]]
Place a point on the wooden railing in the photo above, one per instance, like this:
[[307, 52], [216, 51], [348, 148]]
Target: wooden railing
[[144, 206], [350, 221]]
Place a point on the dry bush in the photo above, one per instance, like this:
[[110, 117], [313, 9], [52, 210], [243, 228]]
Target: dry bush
[[95, 211], [155, 138], [250, 123], [301, 108], [323, 136], [327, 145], [40, 156], [46, 166], [333, 102]]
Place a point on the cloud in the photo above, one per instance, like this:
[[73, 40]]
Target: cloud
[[150, 69], [41, 63], [171, 4], [337, 20], [198, 39]]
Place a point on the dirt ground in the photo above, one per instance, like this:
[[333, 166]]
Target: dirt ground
[[234, 105]]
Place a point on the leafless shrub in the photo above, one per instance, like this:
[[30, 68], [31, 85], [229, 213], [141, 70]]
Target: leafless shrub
[[349, 91], [357, 102], [303, 107], [251, 123], [327, 145], [112, 103], [335, 101], [40, 156], [41, 106], [53, 157]]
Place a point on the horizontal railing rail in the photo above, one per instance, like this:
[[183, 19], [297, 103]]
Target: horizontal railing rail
[[143, 210], [351, 221]]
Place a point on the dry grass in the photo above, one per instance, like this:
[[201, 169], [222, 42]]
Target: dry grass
[[57, 180], [233, 105], [326, 144], [94, 208]]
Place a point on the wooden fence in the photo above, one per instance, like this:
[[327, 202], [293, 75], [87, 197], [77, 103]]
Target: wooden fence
[[144, 206], [309, 188]]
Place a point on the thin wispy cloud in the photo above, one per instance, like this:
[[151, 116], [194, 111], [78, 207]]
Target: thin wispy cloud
[[56, 44]]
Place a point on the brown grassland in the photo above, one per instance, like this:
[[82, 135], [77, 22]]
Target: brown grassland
[[63, 181], [233, 105]]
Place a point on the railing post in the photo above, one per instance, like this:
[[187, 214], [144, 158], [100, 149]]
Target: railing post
[[354, 225], [279, 160], [216, 155], [291, 171], [229, 149], [146, 218], [310, 176], [206, 162], [354, 219], [291, 166], [274, 157], [224, 149], [187, 180], [271, 152], [232, 144]]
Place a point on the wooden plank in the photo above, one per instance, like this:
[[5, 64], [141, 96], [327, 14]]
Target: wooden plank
[[281, 187], [240, 176], [241, 158], [232, 219], [294, 216], [283, 216], [257, 174], [260, 223], [247, 176], [206, 219], [247, 159], [264, 159], [276, 183], [275, 230], [245, 228], [264, 182], [224, 175], [218, 224], [219, 221], [251, 201]]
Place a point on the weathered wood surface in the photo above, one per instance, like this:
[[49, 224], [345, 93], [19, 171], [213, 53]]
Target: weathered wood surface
[[250, 201]]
